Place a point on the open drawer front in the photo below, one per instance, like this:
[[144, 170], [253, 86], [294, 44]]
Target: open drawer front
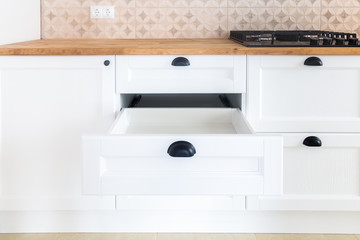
[[182, 151]]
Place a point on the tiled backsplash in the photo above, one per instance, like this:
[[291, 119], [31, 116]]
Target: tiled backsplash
[[195, 18]]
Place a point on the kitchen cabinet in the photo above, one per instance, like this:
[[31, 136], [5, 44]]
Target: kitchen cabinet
[[332, 169], [285, 95], [181, 150], [75, 137], [316, 109], [47, 103]]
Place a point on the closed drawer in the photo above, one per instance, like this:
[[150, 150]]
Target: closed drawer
[[332, 169], [285, 95], [204, 74], [144, 153]]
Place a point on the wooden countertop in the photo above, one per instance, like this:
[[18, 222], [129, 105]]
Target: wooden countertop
[[158, 47]]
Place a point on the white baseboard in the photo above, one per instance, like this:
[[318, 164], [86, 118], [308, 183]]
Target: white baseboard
[[303, 203], [180, 221], [45, 203]]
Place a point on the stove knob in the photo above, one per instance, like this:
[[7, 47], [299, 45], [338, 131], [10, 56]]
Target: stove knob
[[353, 42], [340, 41], [314, 41], [327, 41]]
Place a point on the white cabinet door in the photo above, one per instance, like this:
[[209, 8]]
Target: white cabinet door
[[332, 169], [285, 95], [325, 178], [46, 105]]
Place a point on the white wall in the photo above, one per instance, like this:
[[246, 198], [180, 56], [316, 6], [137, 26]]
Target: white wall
[[19, 20]]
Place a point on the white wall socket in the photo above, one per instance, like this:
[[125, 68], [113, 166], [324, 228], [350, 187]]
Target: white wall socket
[[102, 11]]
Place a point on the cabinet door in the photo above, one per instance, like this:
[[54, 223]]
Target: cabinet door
[[325, 178], [285, 95], [46, 105], [332, 169]]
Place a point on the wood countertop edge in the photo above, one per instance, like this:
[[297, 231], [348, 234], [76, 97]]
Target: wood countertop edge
[[123, 51], [167, 51], [131, 51], [161, 47]]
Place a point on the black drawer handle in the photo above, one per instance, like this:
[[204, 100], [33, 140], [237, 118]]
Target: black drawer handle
[[180, 61], [106, 62], [313, 61], [181, 149], [312, 141]]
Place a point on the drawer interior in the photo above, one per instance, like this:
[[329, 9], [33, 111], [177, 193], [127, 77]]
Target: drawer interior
[[180, 121], [181, 100]]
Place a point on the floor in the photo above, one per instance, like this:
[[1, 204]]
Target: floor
[[173, 236]]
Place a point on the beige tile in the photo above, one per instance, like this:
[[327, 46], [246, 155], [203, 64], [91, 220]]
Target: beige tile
[[214, 22], [246, 3], [239, 18], [341, 19], [203, 18], [108, 236], [305, 237], [125, 3], [29, 236], [339, 237], [215, 3], [147, 3], [203, 236], [289, 237]]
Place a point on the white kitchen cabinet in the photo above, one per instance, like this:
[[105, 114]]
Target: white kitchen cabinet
[[227, 157], [332, 169], [46, 104], [171, 74], [316, 109], [284, 95], [325, 178]]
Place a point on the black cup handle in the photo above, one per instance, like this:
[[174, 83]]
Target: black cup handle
[[312, 141], [107, 62], [180, 61], [181, 149], [313, 61]]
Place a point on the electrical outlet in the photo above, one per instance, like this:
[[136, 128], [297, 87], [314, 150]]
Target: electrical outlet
[[96, 12], [102, 11], [108, 12]]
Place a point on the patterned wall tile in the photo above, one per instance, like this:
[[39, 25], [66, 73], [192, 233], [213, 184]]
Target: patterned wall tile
[[195, 18], [341, 19], [340, 3], [274, 18]]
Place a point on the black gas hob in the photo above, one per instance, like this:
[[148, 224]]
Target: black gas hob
[[294, 39]]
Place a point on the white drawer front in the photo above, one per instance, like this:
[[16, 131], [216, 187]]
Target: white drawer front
[[332, 169], [237, 163], [205, 74], [284, 95]]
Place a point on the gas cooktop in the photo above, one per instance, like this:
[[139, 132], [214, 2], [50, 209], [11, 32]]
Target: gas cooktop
[[294, 39]]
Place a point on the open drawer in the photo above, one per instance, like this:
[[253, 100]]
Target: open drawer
[[182, 151]]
